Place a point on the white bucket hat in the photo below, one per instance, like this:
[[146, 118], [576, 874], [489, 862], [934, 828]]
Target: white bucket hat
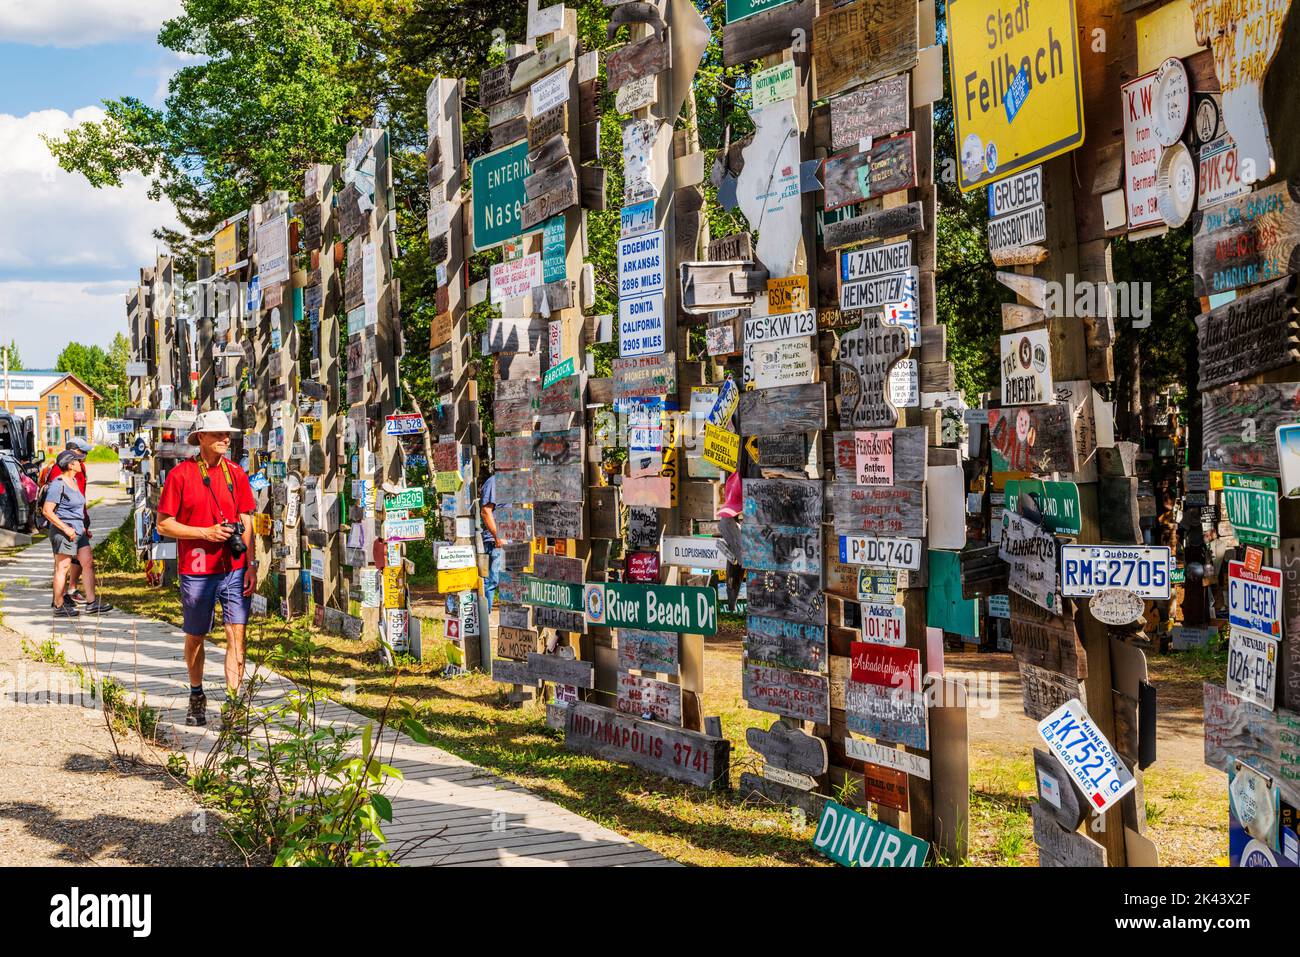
[[214, 421]]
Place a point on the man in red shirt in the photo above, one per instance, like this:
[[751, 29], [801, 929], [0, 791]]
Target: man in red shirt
[[207, 506]]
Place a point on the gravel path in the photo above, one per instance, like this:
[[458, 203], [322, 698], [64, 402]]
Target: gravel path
[[65, 796]]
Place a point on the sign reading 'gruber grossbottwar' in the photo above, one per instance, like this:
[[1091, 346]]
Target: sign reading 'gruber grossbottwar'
[[652, 607]]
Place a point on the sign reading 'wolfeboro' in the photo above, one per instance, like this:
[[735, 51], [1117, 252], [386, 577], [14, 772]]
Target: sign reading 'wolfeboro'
[[988, 49], [652, 607]]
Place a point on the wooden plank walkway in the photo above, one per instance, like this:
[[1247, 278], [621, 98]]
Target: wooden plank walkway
[[446, 812]]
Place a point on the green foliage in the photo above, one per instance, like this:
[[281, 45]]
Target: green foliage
[[310, 793], [117, 551], [11, 352]]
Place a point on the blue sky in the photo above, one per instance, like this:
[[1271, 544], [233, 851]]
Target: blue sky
[[69, 252]]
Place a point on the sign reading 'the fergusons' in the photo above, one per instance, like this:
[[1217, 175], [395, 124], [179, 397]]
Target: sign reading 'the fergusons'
[[1029, 50]]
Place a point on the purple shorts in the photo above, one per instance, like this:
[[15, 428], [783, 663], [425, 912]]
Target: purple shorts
[[199, 597]]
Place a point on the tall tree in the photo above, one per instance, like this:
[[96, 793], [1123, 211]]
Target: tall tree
[[10, 352]]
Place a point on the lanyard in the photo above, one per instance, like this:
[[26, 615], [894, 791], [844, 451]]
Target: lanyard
[[230, 484]]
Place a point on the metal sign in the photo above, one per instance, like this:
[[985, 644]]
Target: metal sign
[[1251, 504], [1086, 755], [1087, 570], [652, 607], [1252, 667], [985, 48], [1015, 193], [1255, 599], [499, 196], [880, 552], [641, 265]]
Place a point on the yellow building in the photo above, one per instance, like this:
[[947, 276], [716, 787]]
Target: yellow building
[[59, 404]]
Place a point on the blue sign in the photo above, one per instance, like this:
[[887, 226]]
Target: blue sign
[[1017, 93], [637, 219]]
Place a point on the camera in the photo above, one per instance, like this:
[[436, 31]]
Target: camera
[[236, 540]]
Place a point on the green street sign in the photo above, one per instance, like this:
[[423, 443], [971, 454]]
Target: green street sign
[[739, 9], [407, 498], [1058, 503], [538, 591], [855, 840], [652, 607], [556, 373], [498, 198], [1251, 501]]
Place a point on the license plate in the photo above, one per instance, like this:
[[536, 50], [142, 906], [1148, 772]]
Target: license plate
[[880, 552], [1086, 755], [1089, 569]]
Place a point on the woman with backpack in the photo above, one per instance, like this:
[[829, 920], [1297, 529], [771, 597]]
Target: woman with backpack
[[64, 508]]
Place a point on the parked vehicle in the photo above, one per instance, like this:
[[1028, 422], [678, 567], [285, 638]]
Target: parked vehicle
[[19, 460]]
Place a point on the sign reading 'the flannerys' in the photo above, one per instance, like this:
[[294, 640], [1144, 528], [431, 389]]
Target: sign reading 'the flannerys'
[[855, 840], [652, 607]]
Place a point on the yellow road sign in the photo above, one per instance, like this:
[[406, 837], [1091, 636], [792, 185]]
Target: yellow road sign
[[1016, 85]]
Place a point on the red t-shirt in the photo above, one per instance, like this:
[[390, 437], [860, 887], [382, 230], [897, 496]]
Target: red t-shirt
[[185, 498]]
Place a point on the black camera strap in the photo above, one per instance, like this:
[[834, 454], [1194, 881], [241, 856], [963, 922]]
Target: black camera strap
[[230, 485]]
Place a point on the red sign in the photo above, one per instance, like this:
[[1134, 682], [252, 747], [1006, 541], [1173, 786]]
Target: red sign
[[885, 667], [885, 786], [1254, 559], [643, 567]]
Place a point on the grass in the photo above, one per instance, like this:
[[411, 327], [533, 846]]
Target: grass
[[102, 453], [126, 711]]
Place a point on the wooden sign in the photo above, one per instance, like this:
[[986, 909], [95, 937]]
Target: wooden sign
[[543, 127], [867, 353], [890, 165], [792, 595], [561, 619], [645, 376], [768, 187], [562, 197], [875, 110], [559, 568], [887, 510], [647, 57], [1058, 847], [858, 456], [1031, 554], [862, 41], [885, 786], [514, 524], [718, 285], [516, 642], [559, 520], [556, 448], [1254, 238], [789, 749], [738, 247], [543, 62], [494, 84], [795, 408], [648, 650], [636, 94], [542, 181], [1268, 741], [563, 671], [1239, 424], [875, 225], [649, 698], [1249, 335], [1027, 368], [783, 502], [888, 756], [1045, 640], [786, 451], [649, 490], [884, 698], [1037, 439], [765, 29], [780, 548], [508, 109], [521, 334], [697, 759], [793, 694], [1057, 794], [1043, 691], [512, 672], [787, 644]]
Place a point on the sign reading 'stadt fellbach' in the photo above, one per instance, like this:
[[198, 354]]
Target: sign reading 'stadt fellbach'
[[1016, 84]]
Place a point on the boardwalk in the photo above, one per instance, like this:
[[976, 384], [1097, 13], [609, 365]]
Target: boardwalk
[[447, 811]]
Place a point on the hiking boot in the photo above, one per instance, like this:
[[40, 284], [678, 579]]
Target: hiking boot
[[197, 713], [97, 606], [67, 610]]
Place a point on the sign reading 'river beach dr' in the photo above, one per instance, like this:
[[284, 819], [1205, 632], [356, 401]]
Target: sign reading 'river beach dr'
[[652, 607]]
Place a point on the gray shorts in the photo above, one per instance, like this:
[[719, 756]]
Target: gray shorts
[[60, 544]]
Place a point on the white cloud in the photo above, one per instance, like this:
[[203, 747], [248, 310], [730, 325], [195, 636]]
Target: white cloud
[[68, 251], [77, 23], [43, 317]]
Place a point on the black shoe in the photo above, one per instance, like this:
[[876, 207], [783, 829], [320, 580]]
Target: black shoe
[[97, 606], [197, 713], [77, 598], [67, 610]]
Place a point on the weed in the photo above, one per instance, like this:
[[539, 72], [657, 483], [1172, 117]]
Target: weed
[[117, 552], [1154, 812], [1010, 845]]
